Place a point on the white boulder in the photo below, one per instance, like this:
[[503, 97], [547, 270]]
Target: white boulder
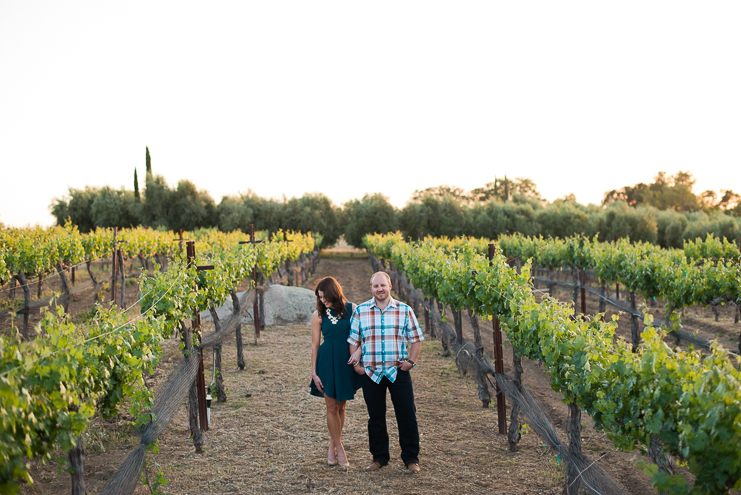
[[283, 306]]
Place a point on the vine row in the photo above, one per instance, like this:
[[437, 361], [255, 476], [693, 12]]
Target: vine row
[[690, 402]]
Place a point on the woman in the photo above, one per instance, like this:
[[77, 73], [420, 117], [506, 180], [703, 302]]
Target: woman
[[332, 377]]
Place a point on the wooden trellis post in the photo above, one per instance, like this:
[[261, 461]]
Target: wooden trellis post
[[256, 303], [114, 271], [498, 365], [288, 263], [582, 283], [200, 378]]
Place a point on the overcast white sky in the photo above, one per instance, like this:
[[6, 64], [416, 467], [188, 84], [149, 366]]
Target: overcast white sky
[[348, 98]]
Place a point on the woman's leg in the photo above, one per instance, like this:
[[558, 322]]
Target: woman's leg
[[341, 406], [341, 456], [334, 427]]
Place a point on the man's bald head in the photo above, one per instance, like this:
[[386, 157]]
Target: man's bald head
[[384, 274]]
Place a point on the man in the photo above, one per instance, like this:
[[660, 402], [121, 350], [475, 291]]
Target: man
[[382, 328]]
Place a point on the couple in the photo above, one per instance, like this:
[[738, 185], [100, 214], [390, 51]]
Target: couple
[[366, 345]]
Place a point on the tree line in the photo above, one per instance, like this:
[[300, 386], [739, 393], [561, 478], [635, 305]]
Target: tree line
[[665, 212]]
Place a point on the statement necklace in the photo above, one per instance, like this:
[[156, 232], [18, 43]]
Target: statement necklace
[[333, 319]]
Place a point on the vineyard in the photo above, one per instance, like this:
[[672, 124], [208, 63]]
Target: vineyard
[[679, 405], [54, 382], [643, 394]]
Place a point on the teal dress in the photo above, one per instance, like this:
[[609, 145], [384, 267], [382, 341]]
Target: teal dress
[[339, 380]]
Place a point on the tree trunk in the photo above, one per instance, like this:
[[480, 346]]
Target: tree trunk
[[458, 322], [41, 285], [185, 337], [27, 305], [96, 284], [159, 261], [237, 309], [430, 305], [602, 304], [634, 335], [714, 307], [218, 377], [575, 281], [514, 427], [12, 288], [76, 457], [659, 456], [573, 483], [484, 395], [65, 286], [443, 338]]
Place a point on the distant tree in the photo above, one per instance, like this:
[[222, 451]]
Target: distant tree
[[136, 186], [564, 218], [77, 207], [434, 215], [494, 218], [190, 208], [440, 192], [269, 214], [155, 208], [233, 214], [728, 201], [670, 226], [674, 192], [313, 212], [114, 208], [505, 189], [149, 164], [239, 211], [639, 224], [372, 214]]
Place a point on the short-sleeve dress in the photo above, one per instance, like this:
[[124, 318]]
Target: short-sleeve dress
[[339, 380]]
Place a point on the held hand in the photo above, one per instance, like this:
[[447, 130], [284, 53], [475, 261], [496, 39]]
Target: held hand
[[404, 365], [359, 369], [355, 357], [318, 383]]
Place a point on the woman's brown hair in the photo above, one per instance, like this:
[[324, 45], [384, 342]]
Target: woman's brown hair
[[332, 294]]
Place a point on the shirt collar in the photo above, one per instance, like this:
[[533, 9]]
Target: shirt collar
[[392, 304]]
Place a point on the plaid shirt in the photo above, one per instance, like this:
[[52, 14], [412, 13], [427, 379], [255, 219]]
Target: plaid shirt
[[383, 335]]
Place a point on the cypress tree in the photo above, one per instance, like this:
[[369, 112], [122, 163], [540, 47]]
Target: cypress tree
[[136, 186], [149, 163]]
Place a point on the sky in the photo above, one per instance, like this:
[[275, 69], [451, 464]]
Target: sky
[[349, 98]]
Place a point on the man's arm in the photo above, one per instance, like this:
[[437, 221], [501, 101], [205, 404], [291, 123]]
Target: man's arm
[[413, 334], [354, 340], [414, 350]]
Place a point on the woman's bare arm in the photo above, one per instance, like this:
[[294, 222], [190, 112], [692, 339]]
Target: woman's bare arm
[[316, 339]]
